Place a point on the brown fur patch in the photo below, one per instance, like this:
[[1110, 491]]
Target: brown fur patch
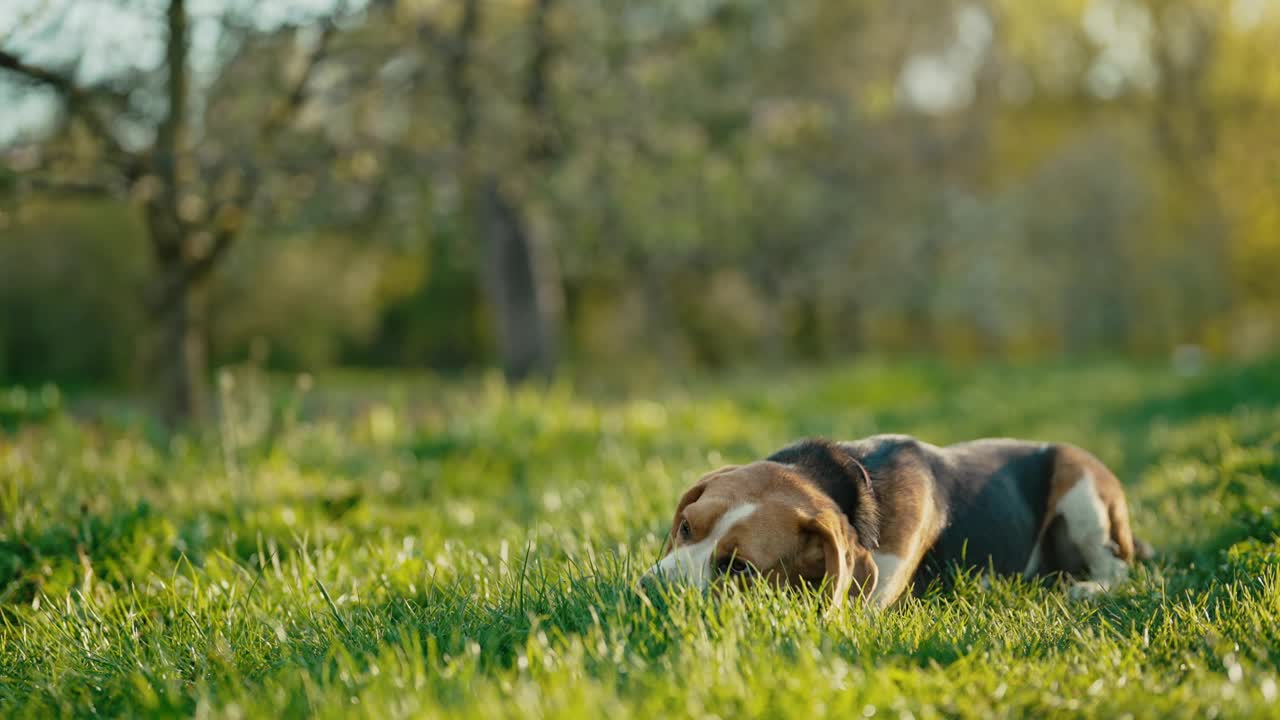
[[796, 535], [1070, 466]]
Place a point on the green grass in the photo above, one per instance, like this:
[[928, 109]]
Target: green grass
[[393, 548]]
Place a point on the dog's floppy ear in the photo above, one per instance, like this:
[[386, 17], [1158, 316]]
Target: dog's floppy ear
[[849, 566], [865, 572], [842, 477]]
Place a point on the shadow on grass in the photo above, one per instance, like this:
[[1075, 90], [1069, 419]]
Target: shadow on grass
[[53, 558], [134, 540], [1219, 392]]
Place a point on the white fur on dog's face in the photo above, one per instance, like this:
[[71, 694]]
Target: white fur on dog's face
[[762, 523], [693, 563]]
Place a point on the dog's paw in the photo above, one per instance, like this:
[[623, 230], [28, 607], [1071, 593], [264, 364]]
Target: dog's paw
[[1085, 589]]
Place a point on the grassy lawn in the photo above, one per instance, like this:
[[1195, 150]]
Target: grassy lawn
[[399, 547]]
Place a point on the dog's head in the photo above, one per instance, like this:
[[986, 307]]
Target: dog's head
[[772, 521]]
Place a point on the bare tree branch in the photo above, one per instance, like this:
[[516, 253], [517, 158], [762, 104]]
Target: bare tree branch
[[171, 135], [227, 218], [440, 41], [79, 103], [542, 144], [56, 80], [458, 77], [226, 223], [293, 101]]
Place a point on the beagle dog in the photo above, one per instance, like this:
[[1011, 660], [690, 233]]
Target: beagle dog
[[874, 517]]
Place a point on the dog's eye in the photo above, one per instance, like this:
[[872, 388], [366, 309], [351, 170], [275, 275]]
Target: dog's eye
[[685, 531], [735, 566]]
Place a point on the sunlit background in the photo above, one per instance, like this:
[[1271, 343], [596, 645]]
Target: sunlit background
[[612, 189], [355, 353]]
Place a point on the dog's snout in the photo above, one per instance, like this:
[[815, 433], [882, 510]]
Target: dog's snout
[[649, 580]]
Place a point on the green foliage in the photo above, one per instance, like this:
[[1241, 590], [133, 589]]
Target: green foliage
[[322, 293], [704, 184], [71, 285], [19, 406], [402, 547]]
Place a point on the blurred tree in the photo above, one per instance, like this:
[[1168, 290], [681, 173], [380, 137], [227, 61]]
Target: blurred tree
[[665, 185], [194, 205], [519, 269]]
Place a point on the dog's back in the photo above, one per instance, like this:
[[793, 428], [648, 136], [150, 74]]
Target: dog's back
[[996, 494], [998, 500]]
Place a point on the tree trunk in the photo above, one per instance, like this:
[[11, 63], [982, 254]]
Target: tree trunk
[[182, 360], [179, 360], [518, 272], [180, 353], [521, 284]]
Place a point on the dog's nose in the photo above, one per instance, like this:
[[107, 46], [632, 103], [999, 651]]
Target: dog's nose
[[650, 579]]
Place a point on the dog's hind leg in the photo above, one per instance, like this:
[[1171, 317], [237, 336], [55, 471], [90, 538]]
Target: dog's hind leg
[[1086, 530]]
